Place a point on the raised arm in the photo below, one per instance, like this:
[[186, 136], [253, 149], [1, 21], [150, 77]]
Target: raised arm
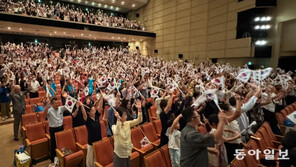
[[175, 123], [238, 110], [140, 118], [219, 132], [83, 110], [169, 105]]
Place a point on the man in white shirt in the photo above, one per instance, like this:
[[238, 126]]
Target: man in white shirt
[[34, 88], [54, 114]]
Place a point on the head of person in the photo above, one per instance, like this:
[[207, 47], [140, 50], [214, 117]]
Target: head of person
[[91, 110], [54, 103], [163, 104], [122, 113], [49, 82], [213, 120], [191, 116], [171, 120]]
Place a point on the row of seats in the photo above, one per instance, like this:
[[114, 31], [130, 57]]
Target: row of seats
[[263, 139], [159, 158], [282, 115]]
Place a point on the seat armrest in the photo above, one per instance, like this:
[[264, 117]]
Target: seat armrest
[[154, 144], [59, 153], [98, 164], [47, 135], [80, 147], [138, 150], [255, 138]]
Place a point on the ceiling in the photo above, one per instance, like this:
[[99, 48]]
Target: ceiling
[[123, 6], [48, 31]]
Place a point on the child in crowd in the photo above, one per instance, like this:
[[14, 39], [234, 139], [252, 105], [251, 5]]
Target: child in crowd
[[174, 135]]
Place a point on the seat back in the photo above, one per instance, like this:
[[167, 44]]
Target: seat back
[[29, 109], [29, 119], [35, 131], [152, 113], [81, 134], [42, 94], [154, 159], [157, 126], [103, 151], [103, 129], [136, 137], [166, 155], [280, 118], [268, 130], [35, 100], [67, 122], [41, 116], [150, 131], [66, 139], [46, 126]]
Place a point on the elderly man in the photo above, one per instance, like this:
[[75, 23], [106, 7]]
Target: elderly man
[[17, 98]]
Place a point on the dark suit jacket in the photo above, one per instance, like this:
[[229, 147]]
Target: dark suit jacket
[[18, 102]]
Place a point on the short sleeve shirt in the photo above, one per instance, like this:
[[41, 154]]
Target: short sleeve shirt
[[55, 117]]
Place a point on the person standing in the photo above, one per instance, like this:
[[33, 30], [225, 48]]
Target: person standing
[[122, 135], [93, 125], [18, 107], [54, 114], [4, 101], [34, 88], [194, 144]]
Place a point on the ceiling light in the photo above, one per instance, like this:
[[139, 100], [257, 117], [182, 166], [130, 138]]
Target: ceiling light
[[112, 37], [261, 42], [118, 37], [263, 18], [81, 34], [122, 2], [89, 35], [134, 5], [111, 7], [49, 34], [267, 27], [124, 38], [262, 27], [257, 19], [55, 32], [64, 32], [79, 1], [9, 28], [99, 5], [95, 38], [71, 0], [117, 9], [21, 29], [268, 18], [105, 6], [93, 3], [113, 1], [257, 27], [86, 2]]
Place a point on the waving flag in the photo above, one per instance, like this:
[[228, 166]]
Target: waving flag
[[265, 73], [145, 71], [244, 75], [110, 99], [201, 99], [218, 81], [154, 92], [70, 103], [86, 91], [211, 94]]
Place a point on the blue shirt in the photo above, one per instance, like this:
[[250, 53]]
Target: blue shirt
[[53, 86], [91, 86], [111, 121], [4, 95]]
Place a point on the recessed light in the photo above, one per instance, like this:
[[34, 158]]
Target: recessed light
[[21, 29], [81, 34], [64, 32], [122, 2], [79, 1], [112, 37], [99, 5], [89, 35], [124, 38], [117, 9], [9, 28], [86, 2], [49, 34], [105, 6], [133, 5], [113, 1], [111, 7], [118, 37], [55, 32], [92, 3]]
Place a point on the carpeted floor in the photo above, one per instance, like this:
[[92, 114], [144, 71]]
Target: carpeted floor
[[8, 145]]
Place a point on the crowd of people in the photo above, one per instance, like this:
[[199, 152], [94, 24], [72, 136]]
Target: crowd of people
[[205, 109], [68, 13]]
